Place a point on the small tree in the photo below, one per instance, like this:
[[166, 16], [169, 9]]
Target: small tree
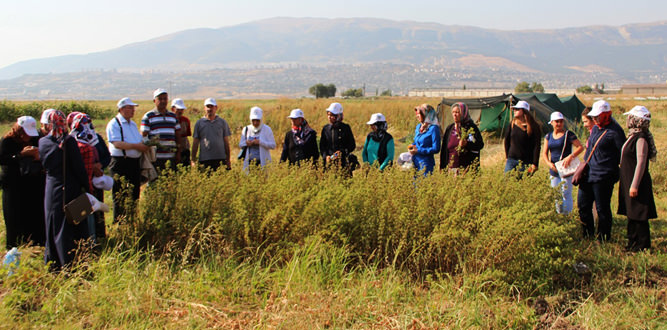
[[386, 92], [353, 92], [522, 87], [585, 89], [537, 87], [322, 91]]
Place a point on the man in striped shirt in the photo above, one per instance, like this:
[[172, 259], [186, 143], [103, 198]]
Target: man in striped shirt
[[163, 125]]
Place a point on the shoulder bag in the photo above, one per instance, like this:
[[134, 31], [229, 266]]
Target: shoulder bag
[[581, 174], [79, 208], [568, 171]]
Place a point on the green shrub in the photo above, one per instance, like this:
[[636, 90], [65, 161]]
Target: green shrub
[[9, 111], [474, 224]]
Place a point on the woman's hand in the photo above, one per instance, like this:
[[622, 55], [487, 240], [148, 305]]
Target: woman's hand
[[97, 170], [552, 166], [30, 151], [567, 161], [634, 192], [532, 168]]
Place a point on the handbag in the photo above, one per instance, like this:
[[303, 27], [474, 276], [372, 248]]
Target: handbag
[[568, 171], [79, 208], [243, 151], [581, 174]]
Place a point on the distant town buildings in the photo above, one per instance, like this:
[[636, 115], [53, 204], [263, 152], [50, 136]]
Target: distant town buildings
[[644, 89]]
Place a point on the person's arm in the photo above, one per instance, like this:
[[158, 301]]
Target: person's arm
[[228, 152], [435, 146], [324, 144], [266, 139], [285, 154], [145, 126], [390, 155], [619, 140], [642, 158], [311, 146], [364, 151], [195, 148], [351, 144], [546, 157], [243, 142], [508, 141], [478, 142], [6, 156], [103, 152], [537, 147], [444, 154]]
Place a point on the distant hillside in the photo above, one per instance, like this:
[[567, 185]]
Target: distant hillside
[[623, 50]]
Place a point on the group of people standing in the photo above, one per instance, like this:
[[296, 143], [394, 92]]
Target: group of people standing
[[55, 164]]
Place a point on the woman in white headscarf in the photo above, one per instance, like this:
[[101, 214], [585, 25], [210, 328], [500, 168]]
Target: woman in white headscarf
[[258, 140]]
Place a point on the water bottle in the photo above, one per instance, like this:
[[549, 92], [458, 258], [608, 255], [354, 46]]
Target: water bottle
[[12, 260]]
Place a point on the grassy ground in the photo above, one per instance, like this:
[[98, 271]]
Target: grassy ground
[[321, 283]]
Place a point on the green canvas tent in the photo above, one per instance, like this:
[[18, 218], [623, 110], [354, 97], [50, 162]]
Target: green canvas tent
[[491, 113]]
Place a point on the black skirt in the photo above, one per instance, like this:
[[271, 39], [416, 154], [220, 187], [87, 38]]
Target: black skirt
[[641, 207]]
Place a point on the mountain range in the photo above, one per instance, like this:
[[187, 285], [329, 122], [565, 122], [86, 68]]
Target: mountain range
[[629, 53]]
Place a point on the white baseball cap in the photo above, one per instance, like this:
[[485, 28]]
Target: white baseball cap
[[29, 125], [639, 111], [522, 105], [45, 116], [335, 108], [210, 101], [599, 107], [125, 101], [556, 116], [159, 92], [256, 113], [376, 117], [178, 103], [296, 113]]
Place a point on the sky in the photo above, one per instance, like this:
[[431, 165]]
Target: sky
[[36, 29]]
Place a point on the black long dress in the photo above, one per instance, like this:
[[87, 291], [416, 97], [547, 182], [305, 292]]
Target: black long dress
[[641, 207], [61, 236], [22, 195]]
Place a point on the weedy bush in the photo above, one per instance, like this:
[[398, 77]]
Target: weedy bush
[[476, 223]]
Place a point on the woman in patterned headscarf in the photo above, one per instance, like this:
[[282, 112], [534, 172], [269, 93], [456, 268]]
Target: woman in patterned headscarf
[[69, 173], [427, 139], [461, 142], [635, 188]]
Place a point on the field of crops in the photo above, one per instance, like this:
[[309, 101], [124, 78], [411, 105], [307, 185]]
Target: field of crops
[[297, 248]]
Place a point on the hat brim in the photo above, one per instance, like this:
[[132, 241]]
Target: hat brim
[[31, 131]]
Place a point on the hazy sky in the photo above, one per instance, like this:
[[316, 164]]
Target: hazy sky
[[34, 29]]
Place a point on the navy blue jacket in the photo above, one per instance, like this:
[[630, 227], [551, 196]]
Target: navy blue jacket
[[607, 156]]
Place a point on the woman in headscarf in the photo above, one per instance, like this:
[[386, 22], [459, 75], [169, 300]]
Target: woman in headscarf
[[461, 142], [258, 139], [300, 142], [68, 173], [522, 141], [22, 184], [603, 155], [427, 139], [379, 147], [337, 141], [635, 188]]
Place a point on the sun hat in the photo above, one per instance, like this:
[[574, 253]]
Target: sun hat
[[376, 117], [522, 105], [178, 103], [29, 125], [335, 108], [125, 101], [256, 113], [45, 116], [556, 116], [103, 182], [599, 107], [639, 111], [210, 101], [159, 92], [296, 113]]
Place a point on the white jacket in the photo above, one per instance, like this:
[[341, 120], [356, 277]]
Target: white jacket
[[266, 142]]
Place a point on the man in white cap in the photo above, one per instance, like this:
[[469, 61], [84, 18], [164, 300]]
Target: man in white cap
[[300, 142], [603, 155], [211, 136], [178, 107], [125, 146], [162, 125]]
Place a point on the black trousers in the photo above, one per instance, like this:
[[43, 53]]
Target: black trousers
[[161, 163], [600, 193], [130, 169], [213, 164], [639, 235]]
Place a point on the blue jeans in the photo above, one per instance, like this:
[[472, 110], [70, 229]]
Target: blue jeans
[[566, 190], [514, 164]]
